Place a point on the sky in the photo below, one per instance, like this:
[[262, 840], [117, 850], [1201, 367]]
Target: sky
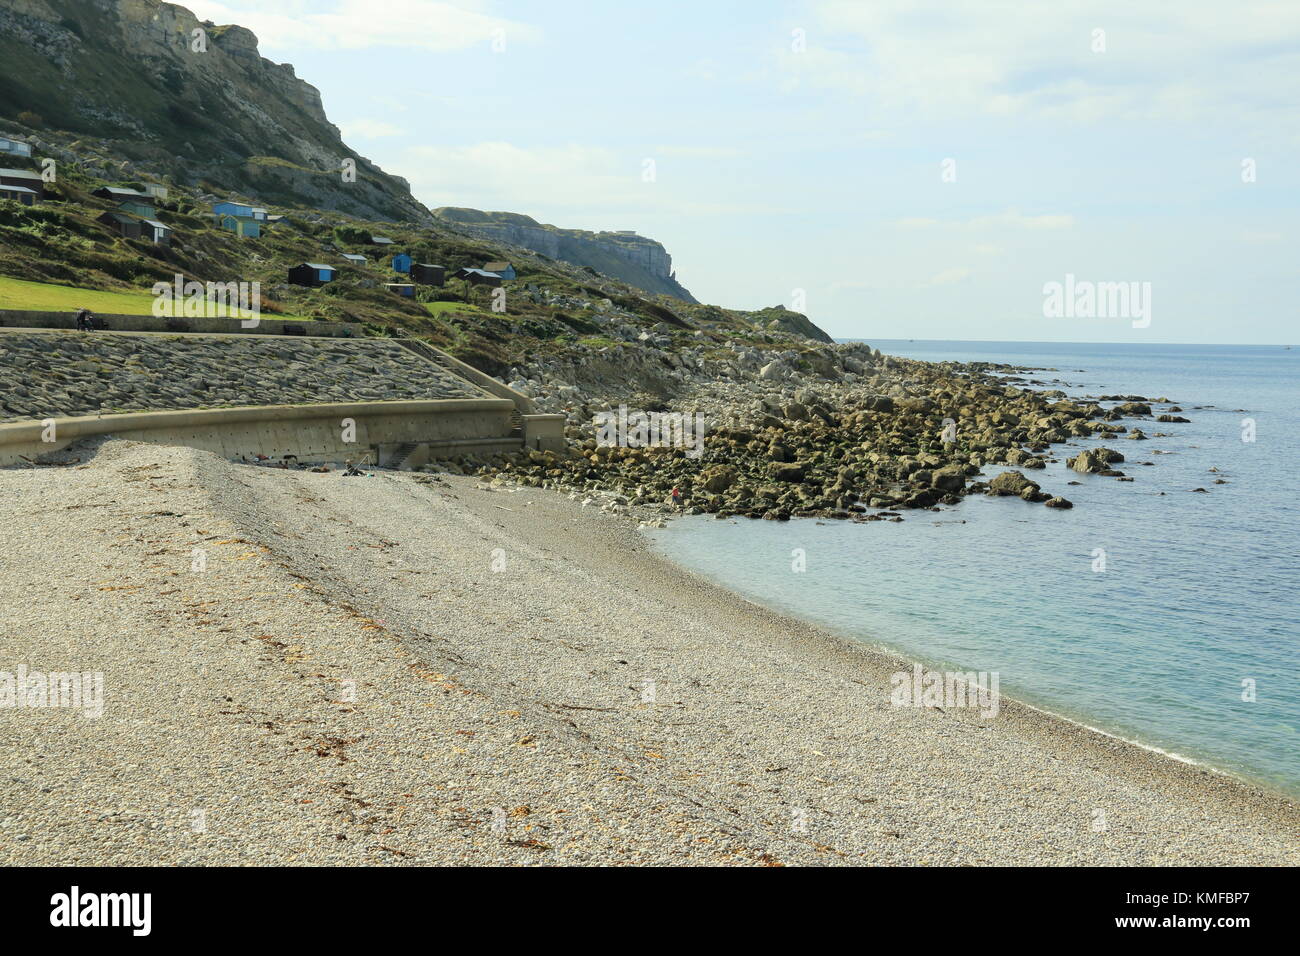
[[893, 169]]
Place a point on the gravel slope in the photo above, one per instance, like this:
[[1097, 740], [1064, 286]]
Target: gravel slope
[[499, 716]]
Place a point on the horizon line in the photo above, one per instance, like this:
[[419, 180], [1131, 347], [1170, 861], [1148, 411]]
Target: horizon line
[[1279, 345]]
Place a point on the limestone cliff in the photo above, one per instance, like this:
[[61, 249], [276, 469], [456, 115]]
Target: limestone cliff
[[636, 260], [185, 99]]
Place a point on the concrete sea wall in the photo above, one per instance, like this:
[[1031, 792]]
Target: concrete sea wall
[[310, 432]]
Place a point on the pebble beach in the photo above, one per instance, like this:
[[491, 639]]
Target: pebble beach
[[422, 669]]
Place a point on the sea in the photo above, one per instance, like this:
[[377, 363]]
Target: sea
[[1151, 611]]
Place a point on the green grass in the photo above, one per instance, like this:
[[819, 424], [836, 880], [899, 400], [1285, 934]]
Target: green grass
[[47, 297], [441, 308]]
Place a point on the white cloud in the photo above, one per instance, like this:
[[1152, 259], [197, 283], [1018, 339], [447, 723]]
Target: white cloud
[[1007, 56], [437, 25]]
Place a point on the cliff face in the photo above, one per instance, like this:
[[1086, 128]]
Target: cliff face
[[187, 105], [634, 259], [142, 89]]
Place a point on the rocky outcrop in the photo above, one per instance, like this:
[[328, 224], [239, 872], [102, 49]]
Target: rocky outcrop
[[634, 259], [857, 438], [779, 318], [188, 101]]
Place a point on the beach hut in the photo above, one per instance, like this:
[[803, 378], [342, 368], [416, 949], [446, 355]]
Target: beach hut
[[126, 226], [426, 274], [380, 241], [504, 269], [18, 194], [138, 207], [15, 147], [120, 193], [240, 218], [311, 274], [401, 262], [400, 288], [23, 178], [151, 230], [478, 277], [356, 260]]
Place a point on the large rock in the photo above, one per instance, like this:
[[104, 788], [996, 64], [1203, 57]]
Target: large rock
[[950, 479], [1094, 460], [784, 472], [1011, 483], [1133, 408], [717, 478]]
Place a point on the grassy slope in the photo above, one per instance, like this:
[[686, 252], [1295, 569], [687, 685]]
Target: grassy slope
[[47, 297], [59, 243]]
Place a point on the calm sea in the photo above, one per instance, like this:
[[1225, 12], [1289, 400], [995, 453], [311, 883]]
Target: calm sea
[[1195, 609]]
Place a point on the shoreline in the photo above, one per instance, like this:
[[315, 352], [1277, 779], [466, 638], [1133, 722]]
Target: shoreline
[[501, 717], [904, 657]]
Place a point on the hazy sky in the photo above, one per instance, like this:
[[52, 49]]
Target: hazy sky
[[912, 169]]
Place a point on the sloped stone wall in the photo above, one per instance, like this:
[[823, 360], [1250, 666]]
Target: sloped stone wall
[[56, 374]]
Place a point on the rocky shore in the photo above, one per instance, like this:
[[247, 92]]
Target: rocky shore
[[837, 431]]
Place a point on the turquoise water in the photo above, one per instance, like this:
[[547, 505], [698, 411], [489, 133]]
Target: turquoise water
[[1199, 590]]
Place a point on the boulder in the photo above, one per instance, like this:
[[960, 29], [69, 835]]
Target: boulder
[[778, 452], [1058, 502], [1095, 460], [717, 478], [922, 499], [949, 479], [1133, 408], [1011, 483]]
